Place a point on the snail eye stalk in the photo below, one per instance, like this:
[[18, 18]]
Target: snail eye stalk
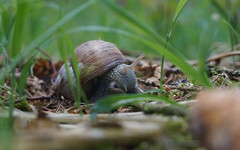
[[133, 65]]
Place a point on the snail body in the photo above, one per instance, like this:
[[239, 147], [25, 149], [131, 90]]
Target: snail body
[[102, 72]]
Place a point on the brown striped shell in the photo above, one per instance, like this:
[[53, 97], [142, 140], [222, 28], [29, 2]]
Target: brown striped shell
[[97, 57]]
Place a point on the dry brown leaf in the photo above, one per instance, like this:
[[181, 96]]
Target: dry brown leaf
[[44, 70], [147, 69], [35, 86], [153, 81]]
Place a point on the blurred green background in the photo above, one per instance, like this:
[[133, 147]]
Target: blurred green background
[[199, 27], [198, 32]]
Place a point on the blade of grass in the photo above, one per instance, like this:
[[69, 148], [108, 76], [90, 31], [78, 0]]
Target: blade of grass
[[159, 49], [73, 63], [179, 8], [6, 134], [4, 52], [223, 13], [13, 85], [7, 20], [115, 101], [4, 74], [107, 29], [76, 71], [230, 26], [76, 94], [23, 77], [22, 9], [173, 57], [134, 21], [64, 56]]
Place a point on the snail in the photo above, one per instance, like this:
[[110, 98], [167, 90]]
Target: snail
[[103, 71]]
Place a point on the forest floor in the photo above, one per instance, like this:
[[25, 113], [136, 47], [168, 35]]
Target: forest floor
[[42, 120]]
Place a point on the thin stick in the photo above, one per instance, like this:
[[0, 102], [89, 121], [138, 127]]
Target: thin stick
[[221, 56], [224, 55]]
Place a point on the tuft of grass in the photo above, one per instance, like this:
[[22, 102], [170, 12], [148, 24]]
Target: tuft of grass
[[18, 33], [29, 49]]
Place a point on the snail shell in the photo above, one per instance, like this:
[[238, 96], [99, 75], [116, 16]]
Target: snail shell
[[97, 57], [94, 59]]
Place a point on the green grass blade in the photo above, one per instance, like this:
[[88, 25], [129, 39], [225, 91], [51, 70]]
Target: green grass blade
[[229, 25], [80, 94], [133, 20], [179, 8], [4, 52], [22, 9], [115, 101], [7, 21], [158, 48], [223, 13], [219, 8], [4, 74], [23, 77], [64, 56]]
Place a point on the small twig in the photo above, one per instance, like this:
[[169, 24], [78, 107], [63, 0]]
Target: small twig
[[224, 55], [51, 59], [46, 109], [50, 103], [216, 58], [58, 106]]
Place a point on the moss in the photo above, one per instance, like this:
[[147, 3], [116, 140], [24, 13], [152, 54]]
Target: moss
[[166, 110]]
